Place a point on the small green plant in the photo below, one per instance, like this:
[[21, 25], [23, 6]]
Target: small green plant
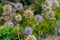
[[8, 33]]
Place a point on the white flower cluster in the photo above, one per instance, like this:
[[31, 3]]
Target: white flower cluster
[[31, 37], [18, 17], [53, 3], [50, 15], [7, 9], [28, 13]]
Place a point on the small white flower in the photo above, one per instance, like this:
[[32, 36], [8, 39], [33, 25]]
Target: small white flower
[[10, 24], [43, 6], [18, 18], [31, 37], [28, 13], [49, 15], [18, 6], [38, 18], [7, 9]]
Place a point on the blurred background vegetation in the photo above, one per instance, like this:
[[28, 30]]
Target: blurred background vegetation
[[43, 29]]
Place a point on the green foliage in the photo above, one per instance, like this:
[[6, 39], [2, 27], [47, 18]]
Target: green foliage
[[22, 1], [14, 31], [21, 12], [2, 22], [38, 7], [57, 12], [46, 27], [5, 34], [0, 1], [8, 33], [28, 2], [11, 0], [58, 23], [1, 9], [41, 1]]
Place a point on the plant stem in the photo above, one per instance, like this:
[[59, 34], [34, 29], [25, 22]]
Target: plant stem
[[18, 31]]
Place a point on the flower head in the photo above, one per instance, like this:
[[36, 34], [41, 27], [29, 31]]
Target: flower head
[[28, 31], [31, 37], [43, 6], [7, 9], [38, 18], [18, 17], [50, 15], [18, 6], [28, 13], [10, 24]]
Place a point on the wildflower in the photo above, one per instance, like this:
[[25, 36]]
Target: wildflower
[[43, 6], [38, 18], [18, 6], [7, 9], [10, 24], [31, 37], [18, 17], [49, 15], [28, 31], [28, 13]]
